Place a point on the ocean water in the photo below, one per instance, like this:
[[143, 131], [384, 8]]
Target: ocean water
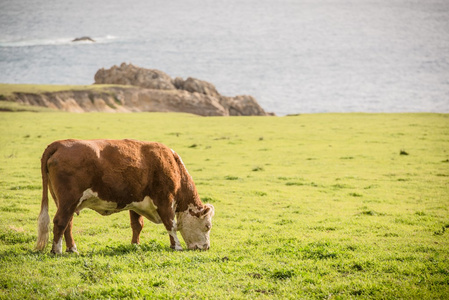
[[293, 56]]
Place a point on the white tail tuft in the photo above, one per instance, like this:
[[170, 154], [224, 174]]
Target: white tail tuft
[[43, 222], [43, 229]]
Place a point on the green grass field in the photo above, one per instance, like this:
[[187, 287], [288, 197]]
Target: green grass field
[[322, 206]]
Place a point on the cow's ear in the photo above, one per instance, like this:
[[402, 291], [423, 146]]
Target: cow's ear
[[209, 210]]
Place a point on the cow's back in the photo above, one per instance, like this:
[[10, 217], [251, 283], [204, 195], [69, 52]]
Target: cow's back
[[121, 171]]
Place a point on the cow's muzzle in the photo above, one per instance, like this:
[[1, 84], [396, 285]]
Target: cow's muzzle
[[203, 248]]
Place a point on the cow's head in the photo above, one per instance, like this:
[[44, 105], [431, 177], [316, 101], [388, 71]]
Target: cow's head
[[194, 225]]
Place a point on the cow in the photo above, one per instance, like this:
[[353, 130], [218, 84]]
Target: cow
[[108, 176]]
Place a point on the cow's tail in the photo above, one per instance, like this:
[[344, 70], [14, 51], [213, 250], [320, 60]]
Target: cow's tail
[[43, 223]]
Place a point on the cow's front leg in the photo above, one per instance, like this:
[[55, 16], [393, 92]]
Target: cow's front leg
[[168, 218], [174, 241], [136, 225]]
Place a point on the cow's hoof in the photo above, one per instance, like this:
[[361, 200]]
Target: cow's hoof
[[176, 248], [72, 250]]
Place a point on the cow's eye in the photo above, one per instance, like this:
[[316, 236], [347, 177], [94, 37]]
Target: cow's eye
[[208, 226]]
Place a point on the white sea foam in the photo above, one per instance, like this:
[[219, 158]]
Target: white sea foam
[[54, 41]]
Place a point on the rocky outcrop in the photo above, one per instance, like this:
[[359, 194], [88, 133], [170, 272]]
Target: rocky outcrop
[[123, 99], [144, 90], [242, 105], [152, 100], [198, 91], [71, 101], [84, 39], [131, 75], [194, 85]]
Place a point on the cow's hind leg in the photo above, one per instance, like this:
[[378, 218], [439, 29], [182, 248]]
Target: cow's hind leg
[[136, 225], [69, 241], [61, 221]]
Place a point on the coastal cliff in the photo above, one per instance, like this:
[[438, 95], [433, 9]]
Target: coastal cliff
[[144, 90]]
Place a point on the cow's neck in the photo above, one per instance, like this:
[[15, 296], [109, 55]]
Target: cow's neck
[[187, 194]]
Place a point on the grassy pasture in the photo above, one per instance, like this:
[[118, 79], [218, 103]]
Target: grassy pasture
[[331, 206]]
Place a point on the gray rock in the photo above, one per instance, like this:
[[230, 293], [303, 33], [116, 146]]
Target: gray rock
[[199, 92], [131, 75], [83, 39]]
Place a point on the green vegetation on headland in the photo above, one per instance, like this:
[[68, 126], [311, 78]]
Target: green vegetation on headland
[[318, 206], [7, 90], [189, 96]]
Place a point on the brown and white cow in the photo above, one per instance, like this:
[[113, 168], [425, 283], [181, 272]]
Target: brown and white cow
[[108, 176]]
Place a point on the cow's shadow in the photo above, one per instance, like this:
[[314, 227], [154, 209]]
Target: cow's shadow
[[151, 246], [114, 250]]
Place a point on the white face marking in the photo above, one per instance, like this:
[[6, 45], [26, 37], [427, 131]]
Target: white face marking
[[195, 230], [193, 208]]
